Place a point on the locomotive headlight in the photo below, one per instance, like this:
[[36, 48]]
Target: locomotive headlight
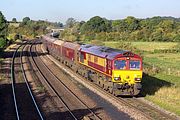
[[137, 79], [117, 78]]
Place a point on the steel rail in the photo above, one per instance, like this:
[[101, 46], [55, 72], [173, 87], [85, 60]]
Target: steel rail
[[25, 78], [75, 96], [29, 89], [13, 82], [51, 87]]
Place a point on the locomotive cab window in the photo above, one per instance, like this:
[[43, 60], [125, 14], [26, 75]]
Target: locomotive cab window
[[134, 65], [120, 64]]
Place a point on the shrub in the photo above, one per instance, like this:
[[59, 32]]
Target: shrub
[[2, 43], [174, 50], [150, 69]]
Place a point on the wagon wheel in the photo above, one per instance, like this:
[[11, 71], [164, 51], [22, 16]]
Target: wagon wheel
[[104, 88], [110, 90], [114, 93]]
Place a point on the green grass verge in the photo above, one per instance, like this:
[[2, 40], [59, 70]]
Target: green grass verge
[[166, 91]]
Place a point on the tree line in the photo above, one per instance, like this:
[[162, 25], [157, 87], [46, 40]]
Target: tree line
[[96, 29], [29, 28], [128, 29], [13, 30]]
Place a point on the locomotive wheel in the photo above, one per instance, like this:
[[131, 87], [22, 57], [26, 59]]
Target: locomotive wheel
[[110, 90], [76, 71], [114, 93], [136, 92], [137, 89], [104, 87]]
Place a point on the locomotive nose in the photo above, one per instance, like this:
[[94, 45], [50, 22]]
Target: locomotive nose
[[127, 77]]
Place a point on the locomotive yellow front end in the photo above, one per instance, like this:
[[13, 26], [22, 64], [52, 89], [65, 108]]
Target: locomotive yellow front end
[[127, 75]]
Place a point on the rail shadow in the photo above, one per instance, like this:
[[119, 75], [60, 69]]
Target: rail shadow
[[5, 65], [150, 85], [24, 101], [9, 54], [29, 42], [5, 69], [7, 109], [81, 113], [6, 102]]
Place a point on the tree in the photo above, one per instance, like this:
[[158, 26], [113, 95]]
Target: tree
[[60, 24], [167, 25], [95, 24], [119, 26], [25, 21], [14, 20], [2, 43], [115, 25], [131, 29], [157, 35], [108, 25], [152, 23], [70, 22], [132, 23], [3, 30]]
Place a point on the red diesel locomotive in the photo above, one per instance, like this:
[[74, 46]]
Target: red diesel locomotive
[[117, 71]]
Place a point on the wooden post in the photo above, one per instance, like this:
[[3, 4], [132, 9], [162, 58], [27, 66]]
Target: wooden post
[[169, 71], [178, 73]]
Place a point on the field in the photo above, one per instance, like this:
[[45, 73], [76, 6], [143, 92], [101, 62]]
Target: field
[[146, 46], [151, 46], [161, 82]]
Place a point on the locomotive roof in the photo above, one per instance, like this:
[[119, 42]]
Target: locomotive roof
[[58, 42], [49, 38], [102, 51]]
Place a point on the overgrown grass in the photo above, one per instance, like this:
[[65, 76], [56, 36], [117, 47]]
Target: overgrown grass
[[166, 96], [40, 89]]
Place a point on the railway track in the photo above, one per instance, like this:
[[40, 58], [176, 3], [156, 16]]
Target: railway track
[[24, 101], [150, 110], [63, 93], [130, 105]]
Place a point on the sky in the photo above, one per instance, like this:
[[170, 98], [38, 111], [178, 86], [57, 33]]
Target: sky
[[61, 10]]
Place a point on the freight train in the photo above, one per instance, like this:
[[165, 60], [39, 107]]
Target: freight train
[[117, 71]]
